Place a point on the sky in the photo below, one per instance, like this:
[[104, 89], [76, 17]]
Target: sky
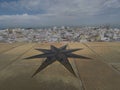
[[35, 13]]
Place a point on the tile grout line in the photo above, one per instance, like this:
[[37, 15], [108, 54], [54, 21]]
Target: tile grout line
[[11, 48], [17, 58], [77, 73], [101, 57], [115, 68]]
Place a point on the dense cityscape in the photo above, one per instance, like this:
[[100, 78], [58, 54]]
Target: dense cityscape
[[61, 34]]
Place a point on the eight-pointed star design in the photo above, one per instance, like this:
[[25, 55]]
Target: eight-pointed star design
[[57, 54]]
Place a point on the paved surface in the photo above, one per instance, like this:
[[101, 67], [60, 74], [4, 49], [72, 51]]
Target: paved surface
[[102, 72]]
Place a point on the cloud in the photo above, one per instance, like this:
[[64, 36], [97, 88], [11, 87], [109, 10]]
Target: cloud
[[34, 20], [112, 4], [58, 12], [65, 7], [26, 20]]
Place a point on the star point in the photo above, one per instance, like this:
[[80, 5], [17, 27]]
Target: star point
[[57, 54]]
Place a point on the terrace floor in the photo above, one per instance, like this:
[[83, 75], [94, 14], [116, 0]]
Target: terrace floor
[[102, 72]]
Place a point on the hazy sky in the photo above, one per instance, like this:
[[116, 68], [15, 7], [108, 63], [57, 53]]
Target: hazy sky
[[58, 12]]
